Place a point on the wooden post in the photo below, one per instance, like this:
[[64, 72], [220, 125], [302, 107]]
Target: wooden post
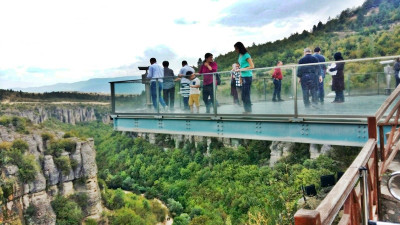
[[307, 217]]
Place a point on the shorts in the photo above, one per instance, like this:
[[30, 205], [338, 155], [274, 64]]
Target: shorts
[[194, 98]]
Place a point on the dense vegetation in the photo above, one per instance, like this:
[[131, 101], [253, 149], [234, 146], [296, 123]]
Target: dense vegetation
[[216, 186]]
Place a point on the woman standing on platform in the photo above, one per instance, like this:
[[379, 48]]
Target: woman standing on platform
[[338, 79], [246, 65], [396, 68], [209, 66]]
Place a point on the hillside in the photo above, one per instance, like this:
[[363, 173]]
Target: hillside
[[369, 30]]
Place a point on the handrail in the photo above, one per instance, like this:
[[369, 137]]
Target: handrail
[[346, 193], [290, 66], [330, 206]]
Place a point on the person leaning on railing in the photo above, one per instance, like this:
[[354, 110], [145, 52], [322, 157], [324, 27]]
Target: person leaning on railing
[[246, 66], [156, 74], [209, 66]]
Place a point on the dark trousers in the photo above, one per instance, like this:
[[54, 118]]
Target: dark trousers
[[169, 97], [277, 89], [396, 75], [246, 91], [186, 103], [321, 92], [339, 96], [208, 96], [309, 87], [153, 90]]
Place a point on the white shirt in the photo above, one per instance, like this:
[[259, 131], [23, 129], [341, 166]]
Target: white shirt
[[195, 81], [183, 72], [155, 71]]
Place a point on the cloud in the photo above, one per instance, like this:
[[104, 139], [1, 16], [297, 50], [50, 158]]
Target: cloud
[[183, 21], [257, 13]]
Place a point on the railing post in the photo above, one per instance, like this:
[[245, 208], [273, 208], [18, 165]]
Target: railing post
[[158, 97], [307, 217], [294, 78], [112, 97], [215, 94], [265, 90], [372, 133], [364, 189]]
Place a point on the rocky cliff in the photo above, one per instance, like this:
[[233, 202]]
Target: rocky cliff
[[49, 181], [67, 113]]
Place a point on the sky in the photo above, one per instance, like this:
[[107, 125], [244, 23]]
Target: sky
[[44, 42]]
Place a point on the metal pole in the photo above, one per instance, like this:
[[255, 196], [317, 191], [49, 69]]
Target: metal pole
[[377, 77], [112, 98], [364, 188], [158, 95], [294, 78], [265, 90], [215, 94]]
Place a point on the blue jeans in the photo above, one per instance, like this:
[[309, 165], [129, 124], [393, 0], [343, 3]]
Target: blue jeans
[[321, 92], [246, 92], [153, 90], [309, 87], [277, 90]]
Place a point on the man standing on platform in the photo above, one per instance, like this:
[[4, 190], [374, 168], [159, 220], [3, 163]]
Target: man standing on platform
[[185, 82], [156, 74], [309, 77], [321, 58]]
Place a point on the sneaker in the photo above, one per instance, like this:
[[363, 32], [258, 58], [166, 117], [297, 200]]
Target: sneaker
[[280, 100], [274, 100]]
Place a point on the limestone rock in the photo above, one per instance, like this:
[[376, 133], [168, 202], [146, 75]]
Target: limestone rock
[[68, 189], [44, 212], [89, 158], [50, 170]]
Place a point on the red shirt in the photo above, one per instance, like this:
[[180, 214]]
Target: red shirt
[[208, 79], [277, 74]]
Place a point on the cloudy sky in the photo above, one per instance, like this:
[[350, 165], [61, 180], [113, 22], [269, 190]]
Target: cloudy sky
[[47, 42]]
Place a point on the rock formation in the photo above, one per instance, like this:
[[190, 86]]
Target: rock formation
[[49, 180]]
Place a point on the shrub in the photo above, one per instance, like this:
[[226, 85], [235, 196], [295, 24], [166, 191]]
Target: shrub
[[81, 199], [67, 135], [29, 213], [68, 145], [126, 216], [74, 163], [5, 120], [63, 164], [47, 136], [67, 211], [5, 146], [28, 168], [21, 145], [175, 207], [90, 221], [19, 123]]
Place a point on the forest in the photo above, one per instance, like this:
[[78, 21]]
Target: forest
[[221, 185], [19, 96]]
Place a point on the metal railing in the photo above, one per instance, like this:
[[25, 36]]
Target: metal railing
[[358, 190]]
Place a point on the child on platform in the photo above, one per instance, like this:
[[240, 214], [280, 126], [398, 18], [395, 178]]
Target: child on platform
[[194, 97]]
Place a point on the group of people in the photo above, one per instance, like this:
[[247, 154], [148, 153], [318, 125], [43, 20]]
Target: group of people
[[190, 84], [311, 78]]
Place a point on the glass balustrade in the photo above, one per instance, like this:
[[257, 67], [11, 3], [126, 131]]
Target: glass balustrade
[[366, 86]]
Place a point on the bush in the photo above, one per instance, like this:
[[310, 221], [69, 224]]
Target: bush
[[67, 211], [5, 146], [29, 213], [63, 164], [74, 163], [19, 123], [28, 168], [175, 207], [90, 221], [126, 216], [158, 210], [81, 199], [68, 145], [5, 120], [47, 136], [67, 135], [20, 145]]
